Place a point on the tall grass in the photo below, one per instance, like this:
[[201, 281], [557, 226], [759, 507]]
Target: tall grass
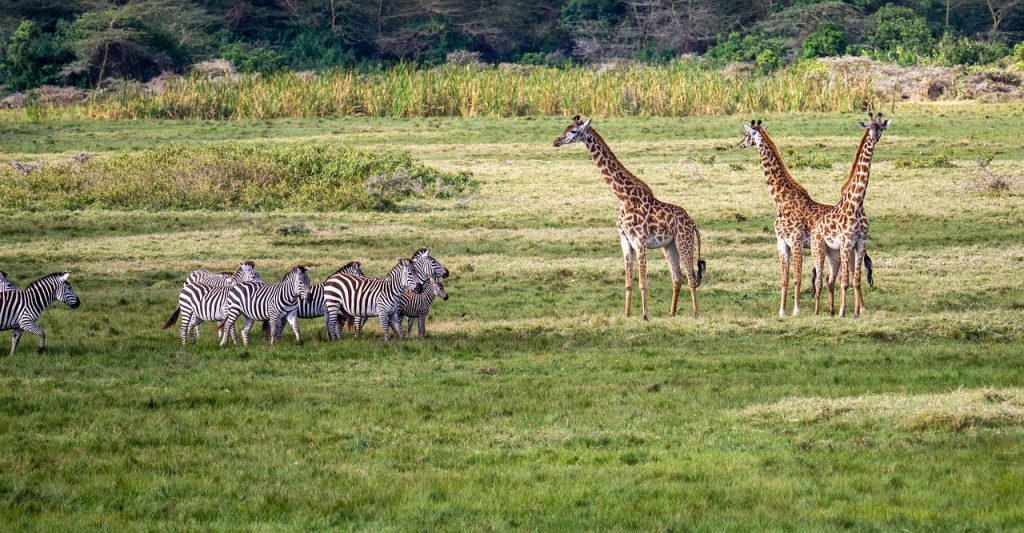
[[681, 88]]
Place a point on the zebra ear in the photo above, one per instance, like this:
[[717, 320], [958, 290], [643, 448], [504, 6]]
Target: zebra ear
[[64, 276]]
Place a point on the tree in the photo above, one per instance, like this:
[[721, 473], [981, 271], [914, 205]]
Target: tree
[[999, 10], [32, 57]]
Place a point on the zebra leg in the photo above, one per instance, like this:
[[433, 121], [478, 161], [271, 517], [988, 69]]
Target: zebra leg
[[229, 327], [385, 324], [32, 328], [246, 327], [408, 328], [293, 321], [15, 339], [422, 325], [360, 320], [186, 326]]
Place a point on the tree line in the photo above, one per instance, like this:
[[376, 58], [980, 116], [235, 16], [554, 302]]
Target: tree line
[[84, 42]]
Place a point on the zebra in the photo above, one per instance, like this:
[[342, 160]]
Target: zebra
[[198, 302], [417, 306], [314, 306], [19, 309], [426, 266], [368, 296], [272, 302], [6, 284]]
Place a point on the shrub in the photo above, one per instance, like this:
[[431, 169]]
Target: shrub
[[231, 175], [32, 58], [744, 48], [768, 61], [1018, 55], [900, 34], [826, 41], [250, 60], [952, 51]]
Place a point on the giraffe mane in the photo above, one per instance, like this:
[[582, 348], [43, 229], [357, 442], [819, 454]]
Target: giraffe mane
[[786, 174], [853, 168], [615, 161]]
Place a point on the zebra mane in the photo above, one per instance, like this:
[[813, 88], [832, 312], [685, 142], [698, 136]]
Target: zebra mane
[[421, 251], [293, 269], [41, 280], [348, 265], [250, 263]]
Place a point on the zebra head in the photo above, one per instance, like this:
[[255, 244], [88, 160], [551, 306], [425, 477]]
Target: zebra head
[[407, 276], [426, 266], [439, 289], [353, 268], [63, 291], [297, 279], [5, 283], [247, 272]]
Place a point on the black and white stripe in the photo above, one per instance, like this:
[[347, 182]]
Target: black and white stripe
[[271, 302], [19, 309], [314, 307], [203, 296], [417, 306], [426, 266], [368, 296]]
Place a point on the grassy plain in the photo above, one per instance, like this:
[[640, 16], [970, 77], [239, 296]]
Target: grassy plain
[[534, 404]]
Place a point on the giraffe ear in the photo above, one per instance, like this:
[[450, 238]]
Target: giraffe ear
[[586, 124], [862, 125], [885, 123]]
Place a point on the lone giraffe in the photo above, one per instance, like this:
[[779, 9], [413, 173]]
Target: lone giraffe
[[843, 231], [644, 221]]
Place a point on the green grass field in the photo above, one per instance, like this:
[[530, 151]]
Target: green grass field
[[534, 404]]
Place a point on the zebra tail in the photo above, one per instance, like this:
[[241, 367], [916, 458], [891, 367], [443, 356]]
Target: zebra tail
[[174, 318], [871, 271], [701, 265]]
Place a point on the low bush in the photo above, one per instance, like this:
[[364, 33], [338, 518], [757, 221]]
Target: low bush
[[230, 175]]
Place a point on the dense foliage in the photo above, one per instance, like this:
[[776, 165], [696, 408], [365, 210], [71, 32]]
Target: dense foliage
[[84, 42], [230, 175]]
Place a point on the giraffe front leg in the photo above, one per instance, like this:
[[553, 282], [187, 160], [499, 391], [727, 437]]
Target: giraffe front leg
[[15, 339], [845, 262], [833, 274], [798, 273], [641, 260], [627, 256], [784, 253], [858, 263]]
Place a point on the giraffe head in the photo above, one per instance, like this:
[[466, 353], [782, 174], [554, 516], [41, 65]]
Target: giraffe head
[[753, 134], [875, 126], [575, 132]]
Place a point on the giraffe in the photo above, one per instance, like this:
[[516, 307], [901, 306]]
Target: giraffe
[[644, 221], [797, 212], [843, 232]]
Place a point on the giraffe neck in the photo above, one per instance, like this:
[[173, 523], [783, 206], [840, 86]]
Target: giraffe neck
[[856, 186], [623, 184], [780, 182]]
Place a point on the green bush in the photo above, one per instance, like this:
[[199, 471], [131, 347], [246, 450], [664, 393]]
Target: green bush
[[952, 51], [231, 176], [1018, 55], [249, 59], [828, 40], [32, 58], [900, 34], [745, 48]]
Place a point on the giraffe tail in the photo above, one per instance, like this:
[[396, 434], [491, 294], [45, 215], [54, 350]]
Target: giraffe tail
[[701, 265], [871, 271], [174, 318]]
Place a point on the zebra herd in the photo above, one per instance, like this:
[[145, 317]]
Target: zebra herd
[[407, 291], [20, 309]]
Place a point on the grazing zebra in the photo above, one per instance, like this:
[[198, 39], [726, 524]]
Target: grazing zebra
[[417, 306], [5, 283], [203, 295], [272, 302], [19, 310], [368, 296], [314, 306]]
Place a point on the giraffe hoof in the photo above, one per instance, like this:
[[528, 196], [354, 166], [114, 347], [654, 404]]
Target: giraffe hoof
[[645, 318]]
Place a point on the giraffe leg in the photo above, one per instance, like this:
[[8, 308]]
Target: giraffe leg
[[641, 260], [833, 274], [817, 256], [845, 260], [858, 263], [784, 253], [627, 255], [671, 252], [797, 261]]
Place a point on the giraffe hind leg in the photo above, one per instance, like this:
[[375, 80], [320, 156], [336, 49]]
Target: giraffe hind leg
[[671, 252]]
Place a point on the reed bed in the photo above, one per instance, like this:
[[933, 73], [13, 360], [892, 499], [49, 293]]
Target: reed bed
[[681, 88]]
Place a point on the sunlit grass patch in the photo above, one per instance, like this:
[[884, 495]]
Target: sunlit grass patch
[[953, 411]]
